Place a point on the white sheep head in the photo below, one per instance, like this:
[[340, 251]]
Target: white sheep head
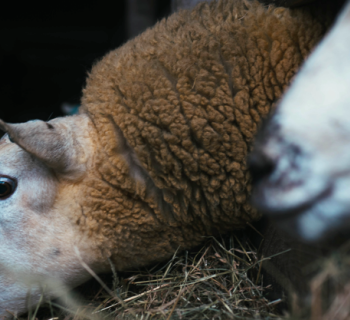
[[40, 165], [302, 160]]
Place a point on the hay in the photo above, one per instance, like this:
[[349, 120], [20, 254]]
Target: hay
[[221, 280]]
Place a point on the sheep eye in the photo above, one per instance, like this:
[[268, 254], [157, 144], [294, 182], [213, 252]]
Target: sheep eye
[[7, 187]]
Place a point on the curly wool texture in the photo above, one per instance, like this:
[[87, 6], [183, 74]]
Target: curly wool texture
[[176, 110]]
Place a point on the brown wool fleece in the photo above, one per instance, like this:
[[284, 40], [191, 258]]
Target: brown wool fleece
[[176, 110]]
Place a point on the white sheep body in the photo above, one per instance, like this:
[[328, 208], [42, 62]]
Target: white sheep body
[[305, 145]]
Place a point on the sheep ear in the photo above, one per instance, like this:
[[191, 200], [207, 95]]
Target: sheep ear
[[53, 143]]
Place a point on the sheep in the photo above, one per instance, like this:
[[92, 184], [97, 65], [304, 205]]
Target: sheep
[[300, 163], [156, 157]]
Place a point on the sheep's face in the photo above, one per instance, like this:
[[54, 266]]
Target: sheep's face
[[302, 162], [39, 240]]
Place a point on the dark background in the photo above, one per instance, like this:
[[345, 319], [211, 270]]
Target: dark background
[[46, 51]]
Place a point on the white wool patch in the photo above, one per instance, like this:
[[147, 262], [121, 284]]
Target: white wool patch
[[314, 118]]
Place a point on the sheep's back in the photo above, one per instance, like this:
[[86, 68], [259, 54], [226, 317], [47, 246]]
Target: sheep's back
[[186, 97]]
